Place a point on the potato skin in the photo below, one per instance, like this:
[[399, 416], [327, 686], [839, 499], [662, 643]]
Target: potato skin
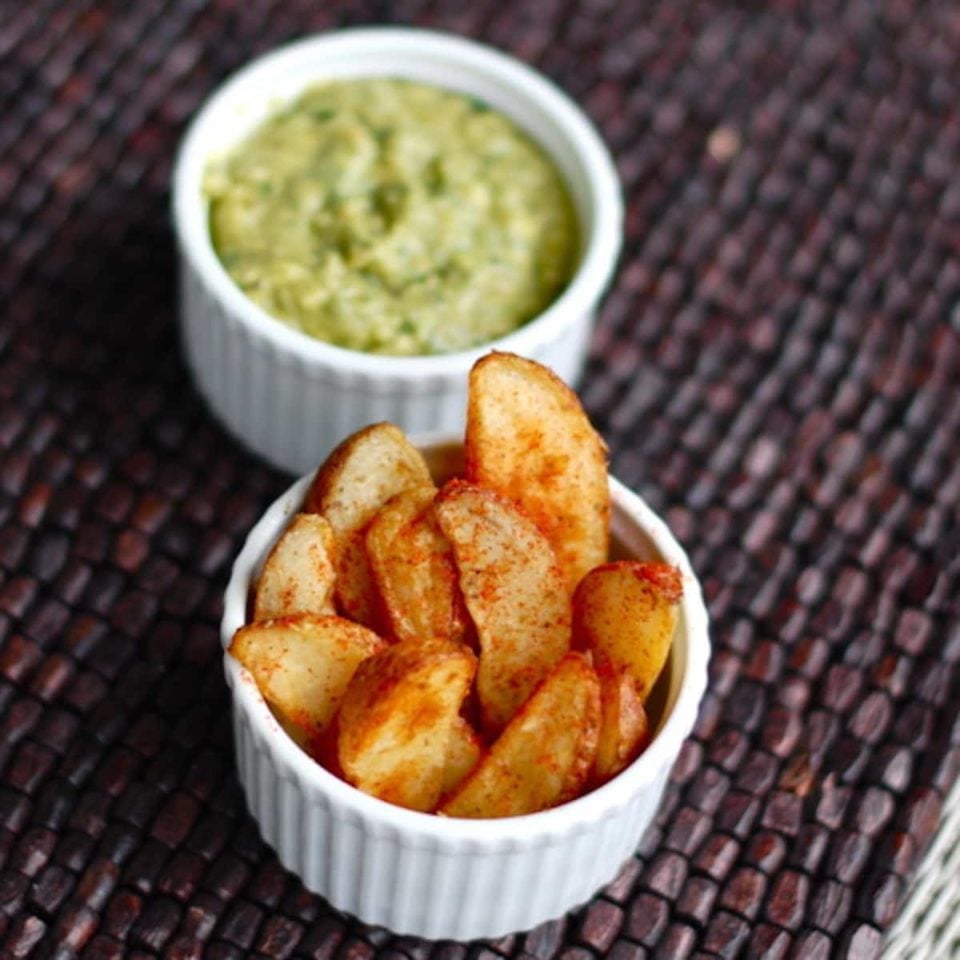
[[626, 612], [529, 439], [463, 754], [624, 727], [298, 574], [413, 567], [398, 717], [514, 591], [302, 665], [356, 480], [545, 755]]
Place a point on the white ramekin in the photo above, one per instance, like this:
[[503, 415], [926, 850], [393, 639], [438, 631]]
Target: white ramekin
[[290, 397], [449, 878]]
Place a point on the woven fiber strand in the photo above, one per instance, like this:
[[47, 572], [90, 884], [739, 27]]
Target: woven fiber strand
[[776, 370]]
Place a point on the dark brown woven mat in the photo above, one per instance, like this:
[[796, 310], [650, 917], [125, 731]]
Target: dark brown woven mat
[[777, 370]]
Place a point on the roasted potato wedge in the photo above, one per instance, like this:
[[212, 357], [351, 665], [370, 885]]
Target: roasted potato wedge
[[624, 730], [463, 754], [413, 567], [627, 613], [545, 754], [357, 479], [302, 665], [298, 574], [514, 591], [398, 718], [529, 440]]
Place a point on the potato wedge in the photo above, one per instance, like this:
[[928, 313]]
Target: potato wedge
[[627, 613], [545, 754], [463, 754], [624, 730], [357, 479], [412, 564], [515, 594], [302, 665], [398, 718], [529, 440], [298, 575]]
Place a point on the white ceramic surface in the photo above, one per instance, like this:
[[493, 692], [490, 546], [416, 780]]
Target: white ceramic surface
[[289, 397], [450, 878]]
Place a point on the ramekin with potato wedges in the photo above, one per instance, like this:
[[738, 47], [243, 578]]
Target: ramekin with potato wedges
[[467, 668]]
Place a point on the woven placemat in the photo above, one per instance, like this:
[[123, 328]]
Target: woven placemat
[[777, 370]]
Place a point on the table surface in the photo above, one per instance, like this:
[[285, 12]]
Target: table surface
[[776, 369]]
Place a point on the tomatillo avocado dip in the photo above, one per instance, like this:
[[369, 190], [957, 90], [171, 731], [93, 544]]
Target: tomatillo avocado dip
[[393, 217]]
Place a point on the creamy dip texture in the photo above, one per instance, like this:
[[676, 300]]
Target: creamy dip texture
[[393, 217]]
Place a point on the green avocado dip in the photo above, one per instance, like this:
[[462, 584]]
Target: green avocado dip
[[393, 217]]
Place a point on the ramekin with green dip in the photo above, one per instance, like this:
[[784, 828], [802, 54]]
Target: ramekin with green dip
[[361, 214]]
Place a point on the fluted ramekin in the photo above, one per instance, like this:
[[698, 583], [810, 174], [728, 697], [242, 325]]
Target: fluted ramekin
[[290, 397], [437, 877]]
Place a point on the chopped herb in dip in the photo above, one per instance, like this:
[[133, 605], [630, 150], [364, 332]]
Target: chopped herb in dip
[[393, 217]]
